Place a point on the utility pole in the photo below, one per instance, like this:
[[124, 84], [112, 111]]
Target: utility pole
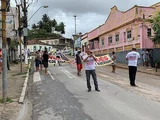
[[25, 31], [75, 33], [4, 54], [19, 34], [75, 23]]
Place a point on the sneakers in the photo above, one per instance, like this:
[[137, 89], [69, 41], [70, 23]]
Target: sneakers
[[89, 90], [97, 90]]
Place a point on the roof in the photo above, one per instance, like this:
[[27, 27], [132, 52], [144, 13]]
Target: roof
[[33, 42]]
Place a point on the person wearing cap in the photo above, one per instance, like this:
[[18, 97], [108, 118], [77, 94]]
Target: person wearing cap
[[132, 58], [89, 60]]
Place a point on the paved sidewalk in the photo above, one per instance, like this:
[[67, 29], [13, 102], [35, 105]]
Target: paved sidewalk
[[141, 69], [15, 82]]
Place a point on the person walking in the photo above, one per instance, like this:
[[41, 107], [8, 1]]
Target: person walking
[[132, 58], [37, 61], [79, 63], [114, 62], [45, 61], [58, 57], [89, 60]]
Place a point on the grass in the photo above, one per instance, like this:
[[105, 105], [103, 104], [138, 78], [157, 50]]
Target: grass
[[9, 100]]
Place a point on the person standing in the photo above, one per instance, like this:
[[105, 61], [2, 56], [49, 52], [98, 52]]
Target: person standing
[[145, 57], [132, 58], [114, 62], [89, 60], [79, 63], [150, 58], [45, 61]]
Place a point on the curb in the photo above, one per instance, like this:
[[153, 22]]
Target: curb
[[21, 100], [140, 71]]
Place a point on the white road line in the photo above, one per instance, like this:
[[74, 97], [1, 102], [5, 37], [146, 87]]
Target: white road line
[[68, 74], [36, 77], [50, 75]]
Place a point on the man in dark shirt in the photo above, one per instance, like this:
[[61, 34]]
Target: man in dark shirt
[[79, 62], [45, 61]]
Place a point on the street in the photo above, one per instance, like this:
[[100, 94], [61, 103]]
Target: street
[[62, 95]]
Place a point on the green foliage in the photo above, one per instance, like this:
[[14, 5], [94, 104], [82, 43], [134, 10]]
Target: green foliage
[[155, 21], [45, 27], [8, 100]]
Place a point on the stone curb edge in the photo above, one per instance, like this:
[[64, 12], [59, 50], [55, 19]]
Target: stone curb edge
[[21, 100], [139, 71]]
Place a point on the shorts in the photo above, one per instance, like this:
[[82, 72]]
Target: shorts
[[79, 66], [45, 64]]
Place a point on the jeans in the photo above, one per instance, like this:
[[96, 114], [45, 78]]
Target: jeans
[[132, 74], [93, 73]]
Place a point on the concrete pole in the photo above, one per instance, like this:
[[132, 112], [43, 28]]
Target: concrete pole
[[25, 30], [4, 54], [20, 41]]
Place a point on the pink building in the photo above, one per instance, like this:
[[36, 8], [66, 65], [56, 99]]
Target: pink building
[[124, 30]]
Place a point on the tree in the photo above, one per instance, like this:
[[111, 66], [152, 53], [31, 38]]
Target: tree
[[34, 26], [60, 28], [45, 27], [155, 21]]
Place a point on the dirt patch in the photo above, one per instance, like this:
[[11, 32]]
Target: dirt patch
[[15, 81]]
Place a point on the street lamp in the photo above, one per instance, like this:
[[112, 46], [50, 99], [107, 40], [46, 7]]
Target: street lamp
[[37, 11]]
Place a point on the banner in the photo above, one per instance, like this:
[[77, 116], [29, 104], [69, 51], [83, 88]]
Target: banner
[[54, 59], [103, 60]]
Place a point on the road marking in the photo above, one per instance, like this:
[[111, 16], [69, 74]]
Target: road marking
[[36, 77], [106, 76], [68, 74], [50, 75]]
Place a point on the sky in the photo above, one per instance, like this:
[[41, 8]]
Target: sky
[[90, 13]]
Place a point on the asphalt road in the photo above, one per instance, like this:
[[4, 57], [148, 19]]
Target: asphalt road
[[63, 95]]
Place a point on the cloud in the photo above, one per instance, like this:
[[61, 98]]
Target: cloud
[[90, 13]]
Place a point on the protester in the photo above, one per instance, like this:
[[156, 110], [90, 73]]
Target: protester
[[132, 58], [145, 57], [58, 57], [89, 60], [78, 62], [45, 61], [37, 61], [41, 59], [114, 62], [150, 59]]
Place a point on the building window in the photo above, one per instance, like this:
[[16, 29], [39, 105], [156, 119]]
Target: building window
[[149, 32], [34, 48], [102, 42], [117, 38], [129, 34], [110, 39]]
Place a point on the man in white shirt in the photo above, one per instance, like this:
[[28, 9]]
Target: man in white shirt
[[132, 58], [89, 60]]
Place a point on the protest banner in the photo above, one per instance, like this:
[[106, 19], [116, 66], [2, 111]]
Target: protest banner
[[54, 59], [103, 60]]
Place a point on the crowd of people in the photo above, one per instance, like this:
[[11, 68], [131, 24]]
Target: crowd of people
[[41, 60], [89, 60]]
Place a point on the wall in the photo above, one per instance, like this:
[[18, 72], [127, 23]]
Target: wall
[[51, 41], [31, 47]]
